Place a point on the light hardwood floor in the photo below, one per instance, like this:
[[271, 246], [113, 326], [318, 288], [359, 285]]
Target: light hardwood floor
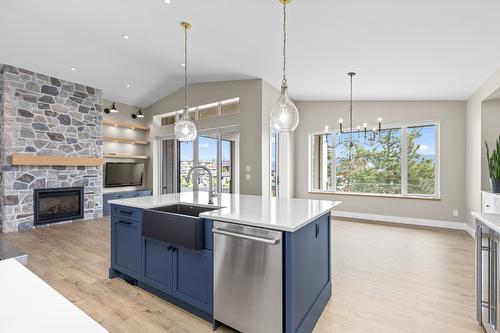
[[385, 279]]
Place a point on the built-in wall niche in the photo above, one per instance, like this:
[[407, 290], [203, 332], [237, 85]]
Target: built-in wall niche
[[125, 140], [207, 111]]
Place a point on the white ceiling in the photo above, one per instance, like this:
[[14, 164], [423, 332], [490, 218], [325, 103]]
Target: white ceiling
[[402, 50]]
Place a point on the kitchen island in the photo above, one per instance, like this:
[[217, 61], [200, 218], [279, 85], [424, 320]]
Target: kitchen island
[[255, 264]]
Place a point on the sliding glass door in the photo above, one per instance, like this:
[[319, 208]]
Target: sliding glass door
[[274, 164], [218, 150]]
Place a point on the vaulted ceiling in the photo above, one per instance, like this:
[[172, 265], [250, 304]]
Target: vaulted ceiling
[[402, 50]]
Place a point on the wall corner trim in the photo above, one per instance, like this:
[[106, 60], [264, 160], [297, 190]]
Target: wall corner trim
[[407, 221]]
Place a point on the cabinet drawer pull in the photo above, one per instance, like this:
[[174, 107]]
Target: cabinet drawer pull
[[125, 212], [124, 222]]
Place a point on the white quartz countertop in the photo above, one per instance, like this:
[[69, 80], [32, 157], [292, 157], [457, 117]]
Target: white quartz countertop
[[285, 214], [27, 304], [491, 220]]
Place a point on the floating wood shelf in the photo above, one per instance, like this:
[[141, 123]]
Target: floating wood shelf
[[122, 140], [122, 124], [134, 157], [28, 159]]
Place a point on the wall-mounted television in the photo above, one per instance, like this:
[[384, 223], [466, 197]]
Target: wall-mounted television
[[123, 174]]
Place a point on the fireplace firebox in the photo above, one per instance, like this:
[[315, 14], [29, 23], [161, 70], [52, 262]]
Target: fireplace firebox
[[57, 205]]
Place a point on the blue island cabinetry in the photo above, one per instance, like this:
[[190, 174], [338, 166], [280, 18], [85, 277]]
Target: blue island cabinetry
[[184, 277], [181, 276]]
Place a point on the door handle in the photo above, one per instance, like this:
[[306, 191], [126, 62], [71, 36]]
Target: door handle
[[125, 212], [243, 236]]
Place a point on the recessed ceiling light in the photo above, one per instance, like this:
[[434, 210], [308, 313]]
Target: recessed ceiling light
[[168, 2], [128, 85], [125, 36], [183, 65], [73, 68]]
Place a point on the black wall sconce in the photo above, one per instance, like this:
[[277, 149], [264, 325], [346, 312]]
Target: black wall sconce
[[138, 114], [112, 109]]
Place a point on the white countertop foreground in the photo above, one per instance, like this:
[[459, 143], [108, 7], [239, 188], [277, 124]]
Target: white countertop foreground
[[285, 214], [491, 220], [27, 304]]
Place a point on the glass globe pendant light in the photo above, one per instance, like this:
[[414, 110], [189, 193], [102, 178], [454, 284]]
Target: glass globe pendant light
[[284, 114], [185, 129]]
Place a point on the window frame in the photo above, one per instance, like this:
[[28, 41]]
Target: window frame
[[404, 162]]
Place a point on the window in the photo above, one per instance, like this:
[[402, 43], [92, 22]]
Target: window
[[207, 111], [230, 108], [400, 160], [421, 159]]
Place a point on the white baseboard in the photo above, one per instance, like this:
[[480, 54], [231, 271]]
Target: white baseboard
[[407, 220]]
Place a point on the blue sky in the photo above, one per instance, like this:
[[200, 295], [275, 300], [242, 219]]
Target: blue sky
[[207, 150], [426, 141]]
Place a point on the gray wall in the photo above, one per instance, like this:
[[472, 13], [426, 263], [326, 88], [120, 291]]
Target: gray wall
[[249, 119], [124, 112], [490, 130], [315, 115], [474, 143]]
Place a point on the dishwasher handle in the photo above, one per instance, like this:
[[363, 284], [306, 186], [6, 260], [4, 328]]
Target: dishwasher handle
[[244, 236]]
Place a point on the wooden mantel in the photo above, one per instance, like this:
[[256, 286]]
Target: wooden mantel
[[29, 159]]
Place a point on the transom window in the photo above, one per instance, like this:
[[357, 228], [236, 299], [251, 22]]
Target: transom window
[[400, 160], [213, 110]]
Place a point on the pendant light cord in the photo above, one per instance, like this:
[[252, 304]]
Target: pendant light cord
[[284, 82], [185, 67], [350, 111]]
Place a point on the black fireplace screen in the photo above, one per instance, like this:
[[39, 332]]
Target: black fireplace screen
[[58, 204]]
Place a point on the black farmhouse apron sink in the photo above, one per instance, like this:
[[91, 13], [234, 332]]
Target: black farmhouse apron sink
[[179, 225]]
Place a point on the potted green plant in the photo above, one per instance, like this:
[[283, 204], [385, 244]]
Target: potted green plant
[[494, 166]]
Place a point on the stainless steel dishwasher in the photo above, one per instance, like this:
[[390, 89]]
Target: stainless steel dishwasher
[[248, 278]]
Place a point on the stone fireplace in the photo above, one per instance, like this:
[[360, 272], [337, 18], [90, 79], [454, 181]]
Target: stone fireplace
[[43, 115]]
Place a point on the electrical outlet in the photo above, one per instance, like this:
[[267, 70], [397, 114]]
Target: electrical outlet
[[455, 212], [248, 176], [248, 168]]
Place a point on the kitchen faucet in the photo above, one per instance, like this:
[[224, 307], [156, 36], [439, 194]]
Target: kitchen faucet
[[210, 189]]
